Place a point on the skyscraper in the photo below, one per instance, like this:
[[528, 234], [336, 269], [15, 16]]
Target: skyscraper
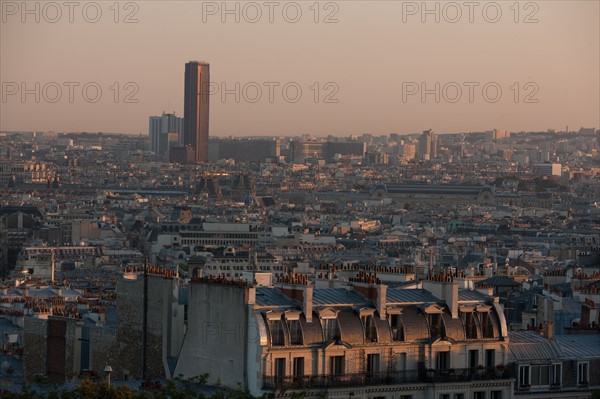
[[195, 108], [166, 131], [428, 144]]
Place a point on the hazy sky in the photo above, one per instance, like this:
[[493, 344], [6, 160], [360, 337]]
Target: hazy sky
[[375, 61]]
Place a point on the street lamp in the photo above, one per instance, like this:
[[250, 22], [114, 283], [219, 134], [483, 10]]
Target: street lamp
[[108, 370]]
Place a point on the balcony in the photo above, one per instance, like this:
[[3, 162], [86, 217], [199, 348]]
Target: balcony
[[385, 378]]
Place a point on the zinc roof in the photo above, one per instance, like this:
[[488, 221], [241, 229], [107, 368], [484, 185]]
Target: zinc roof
[[266, 296], [409, 296], [338, 296], [579, 346]]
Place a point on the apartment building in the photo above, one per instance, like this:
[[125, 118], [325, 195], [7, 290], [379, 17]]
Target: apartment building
[[366, 341]]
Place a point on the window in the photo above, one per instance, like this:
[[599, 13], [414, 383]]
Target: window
[[582, 373], [436, 326], [397, 328], [556, 374], [459, 396], [473, 358], [277, 335], [279, 370], [490, 357], [524, 376], [443, 360], [402, 361], [298, 368], [336, 365], [331, 330], [479, 395], [496, 395], [540, 375], [370, 330], [406, 397], [373, 364], [470, 326], [487, 329], [445, 396], [295, 332]]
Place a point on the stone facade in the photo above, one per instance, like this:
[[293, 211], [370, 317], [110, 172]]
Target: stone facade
[[366, 341]]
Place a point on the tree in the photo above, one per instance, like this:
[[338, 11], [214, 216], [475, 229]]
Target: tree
[[175, 388]]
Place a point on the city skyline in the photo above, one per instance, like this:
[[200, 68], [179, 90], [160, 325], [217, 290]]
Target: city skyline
[[376, 199], [388, 80]]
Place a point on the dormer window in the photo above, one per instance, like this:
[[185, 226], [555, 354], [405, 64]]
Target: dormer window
[[396, 327], [329, 324], [277, 334], [433, 315], [295, 332], [370, 329], [470, 321], [292, 318], [436, 325], [470, 325], [368, 322], [276, 328], [487, 330], [331, 330]]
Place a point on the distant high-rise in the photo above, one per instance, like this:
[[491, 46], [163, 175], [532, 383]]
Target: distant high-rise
[[166, 131], [195, 109], [428, 145]]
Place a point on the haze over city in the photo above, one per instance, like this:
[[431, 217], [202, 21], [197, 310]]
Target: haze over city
[[366, 58], [300, 199]]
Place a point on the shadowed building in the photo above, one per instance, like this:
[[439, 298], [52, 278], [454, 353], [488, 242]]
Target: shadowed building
[[62, 343], [548, 366], [425, 193]]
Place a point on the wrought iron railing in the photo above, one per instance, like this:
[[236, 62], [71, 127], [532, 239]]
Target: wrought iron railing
[[386, 378]]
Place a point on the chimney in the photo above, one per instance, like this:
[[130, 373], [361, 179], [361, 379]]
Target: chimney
[[307, 302], [549, 329], [301, 292], [374, 292], [381, 300], [251, 295], [445, 288], [589, 313]]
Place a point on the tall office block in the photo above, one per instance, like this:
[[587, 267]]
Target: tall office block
[[428, 144], [196, 109], [166, 131]]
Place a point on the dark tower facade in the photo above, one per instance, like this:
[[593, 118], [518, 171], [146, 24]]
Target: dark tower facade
[[196, 109]]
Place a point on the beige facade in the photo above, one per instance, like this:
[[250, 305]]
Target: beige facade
[[367, 341]]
